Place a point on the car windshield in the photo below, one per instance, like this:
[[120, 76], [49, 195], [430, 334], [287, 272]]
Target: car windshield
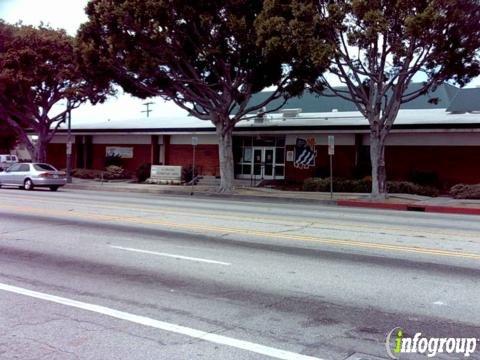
[[43, 167]]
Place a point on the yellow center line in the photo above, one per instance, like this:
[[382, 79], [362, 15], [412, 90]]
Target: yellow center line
[[333, 225], [264, 234]]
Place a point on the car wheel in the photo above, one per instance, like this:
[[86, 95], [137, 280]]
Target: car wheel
[[54, 188], [28, 185]]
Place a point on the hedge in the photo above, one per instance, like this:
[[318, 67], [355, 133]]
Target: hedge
[[365, 186]]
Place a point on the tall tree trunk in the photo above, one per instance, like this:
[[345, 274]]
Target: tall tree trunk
[[28, 144], [379, 174], [41, 148], [225, 154]]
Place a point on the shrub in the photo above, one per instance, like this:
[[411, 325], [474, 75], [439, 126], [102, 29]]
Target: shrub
[[113, 159], [86, 173], [143, 172], [365, 186], [462, 191], [187, 173], [339, 185], [110, 173]]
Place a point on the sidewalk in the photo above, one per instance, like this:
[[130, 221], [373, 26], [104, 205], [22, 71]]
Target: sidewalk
[[405, 202]]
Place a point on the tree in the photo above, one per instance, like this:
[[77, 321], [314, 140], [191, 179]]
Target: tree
[[7, 139], [203, 55], [379, 46], [38, 71]]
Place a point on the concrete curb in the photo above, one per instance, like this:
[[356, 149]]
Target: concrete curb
[[410, 207], [290, 200], [238, 197]]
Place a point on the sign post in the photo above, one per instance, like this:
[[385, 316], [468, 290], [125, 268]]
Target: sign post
[[331, 152], [69, 144], [194, 144]]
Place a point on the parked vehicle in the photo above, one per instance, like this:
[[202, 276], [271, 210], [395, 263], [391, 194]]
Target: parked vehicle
[[30, 175], [7, 160]]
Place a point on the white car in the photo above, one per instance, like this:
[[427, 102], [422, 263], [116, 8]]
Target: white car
[[7, 160], [30, 175]]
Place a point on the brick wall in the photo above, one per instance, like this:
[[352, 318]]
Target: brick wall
[[453, 164], [141, 154], [206, 157], [343, 164], [56, 155]]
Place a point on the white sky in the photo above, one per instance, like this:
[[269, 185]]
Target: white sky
[[69, 14]]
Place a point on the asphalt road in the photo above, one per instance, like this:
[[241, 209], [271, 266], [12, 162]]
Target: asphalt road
[[97, 275]]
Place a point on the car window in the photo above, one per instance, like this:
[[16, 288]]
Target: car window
[[8, 158], [14, 158], [14, 168], [24, 168], [43, 167]]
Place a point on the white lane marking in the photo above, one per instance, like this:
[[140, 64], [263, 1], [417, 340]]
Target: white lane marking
[[171, 255], [440, 303], [178, 329]]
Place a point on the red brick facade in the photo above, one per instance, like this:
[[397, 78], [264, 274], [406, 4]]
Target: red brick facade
[[206, 158], [452, 164]]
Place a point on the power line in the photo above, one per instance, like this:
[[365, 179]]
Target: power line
[[148, 111]]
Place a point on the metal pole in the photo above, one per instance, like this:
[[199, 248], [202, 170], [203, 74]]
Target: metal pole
[[331, 177], [193, 169], [69, 145]]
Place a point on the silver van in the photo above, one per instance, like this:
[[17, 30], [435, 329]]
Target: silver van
[[7, 160]]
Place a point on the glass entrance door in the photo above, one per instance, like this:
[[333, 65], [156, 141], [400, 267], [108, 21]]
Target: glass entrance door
[[263, 162]]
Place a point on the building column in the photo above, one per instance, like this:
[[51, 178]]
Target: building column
[[88, 151], [166, 149], [154, 150]]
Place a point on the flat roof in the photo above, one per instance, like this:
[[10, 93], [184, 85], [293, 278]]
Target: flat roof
[[407, 118]]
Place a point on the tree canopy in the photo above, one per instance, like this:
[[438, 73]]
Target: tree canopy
[[378, 47], [38, 71], [203, 55]]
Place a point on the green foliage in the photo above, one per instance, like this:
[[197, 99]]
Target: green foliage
[[143, 172], [365, 186], [462, 191], [188, 173], [202, 55], [378, 47], [113, 159], [110, 173], [38, 70], [339, 185], [8, 139]]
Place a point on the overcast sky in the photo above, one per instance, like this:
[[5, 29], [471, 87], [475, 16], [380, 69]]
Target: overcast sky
[[69, 14]]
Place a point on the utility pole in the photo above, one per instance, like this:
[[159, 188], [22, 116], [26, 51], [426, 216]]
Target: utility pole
[[148, 111]]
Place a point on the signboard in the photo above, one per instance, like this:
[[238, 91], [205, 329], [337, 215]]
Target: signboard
[[194, 140], [290, 156], [69, 148], [305, 153], [331, 145], [164, 172], [123, 152]]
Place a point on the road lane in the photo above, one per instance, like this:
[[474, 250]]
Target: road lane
[[283, 293], [432, 247], [174, 256]]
